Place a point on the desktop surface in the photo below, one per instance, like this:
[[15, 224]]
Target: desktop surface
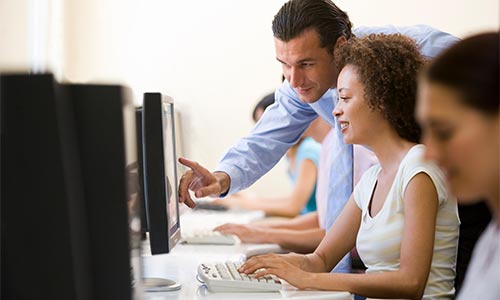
[[182, 263]]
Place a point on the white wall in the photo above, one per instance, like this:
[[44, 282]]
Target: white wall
[[459, 17], [216, 58], [13, 35]]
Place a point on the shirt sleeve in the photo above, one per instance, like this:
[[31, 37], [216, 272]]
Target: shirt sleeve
[[279, 128], [430, 40], [435, 175]]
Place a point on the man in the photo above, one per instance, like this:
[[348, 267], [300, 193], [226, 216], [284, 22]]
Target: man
[[306, 34]]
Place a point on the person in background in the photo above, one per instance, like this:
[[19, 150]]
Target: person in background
[[458, 109], [302, 159], [261, 106], [307, 34], [400, 216]]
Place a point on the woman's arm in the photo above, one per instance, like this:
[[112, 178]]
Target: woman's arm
[[302, 234], [338, 241], [300, 241], [300, 222]]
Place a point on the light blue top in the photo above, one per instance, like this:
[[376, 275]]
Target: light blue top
[[307, 149], [284, 122]]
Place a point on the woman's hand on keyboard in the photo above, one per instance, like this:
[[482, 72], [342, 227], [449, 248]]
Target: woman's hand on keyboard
[[246, 233], [278, 265]]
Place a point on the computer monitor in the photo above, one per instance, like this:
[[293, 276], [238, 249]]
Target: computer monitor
[[160, 172], [159, 186], [66, 227], [140, 170]]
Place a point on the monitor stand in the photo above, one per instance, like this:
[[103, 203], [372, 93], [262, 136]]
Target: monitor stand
[[155, 284]]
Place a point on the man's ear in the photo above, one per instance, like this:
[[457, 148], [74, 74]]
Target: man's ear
[[340, 41]]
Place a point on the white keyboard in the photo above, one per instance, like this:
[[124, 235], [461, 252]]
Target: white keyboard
[[224, 277], [209, 237]]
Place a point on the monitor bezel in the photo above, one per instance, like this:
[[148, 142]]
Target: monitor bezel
[[156, 108]]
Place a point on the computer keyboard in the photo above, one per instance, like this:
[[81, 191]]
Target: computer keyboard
[[209, 237], [206, 205], [224, 277], [195, 231], [258, 249]]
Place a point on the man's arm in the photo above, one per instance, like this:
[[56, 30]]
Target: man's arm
[[278, 129]]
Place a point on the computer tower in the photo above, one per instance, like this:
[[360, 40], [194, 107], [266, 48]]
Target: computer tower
[[64, 198]]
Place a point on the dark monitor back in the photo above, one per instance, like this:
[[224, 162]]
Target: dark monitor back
[[160, 178], [140, 165], [102, 114], [64, 227]]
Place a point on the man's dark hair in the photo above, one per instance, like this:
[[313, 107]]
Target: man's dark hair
[[297, 16]]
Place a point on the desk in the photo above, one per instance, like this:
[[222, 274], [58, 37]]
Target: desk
[[182, 262]]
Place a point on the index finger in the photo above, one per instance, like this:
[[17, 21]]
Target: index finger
[[195, 166], [183, 189]]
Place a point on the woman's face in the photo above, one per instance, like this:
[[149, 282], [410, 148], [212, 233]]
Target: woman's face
[[463, 141], [355, 118]]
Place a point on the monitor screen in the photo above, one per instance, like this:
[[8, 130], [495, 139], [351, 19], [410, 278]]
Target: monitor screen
[[160, 172]]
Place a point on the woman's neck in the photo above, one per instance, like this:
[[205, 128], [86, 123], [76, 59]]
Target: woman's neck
[[390, 149]]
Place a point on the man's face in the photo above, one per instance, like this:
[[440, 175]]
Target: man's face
[[308, 67]]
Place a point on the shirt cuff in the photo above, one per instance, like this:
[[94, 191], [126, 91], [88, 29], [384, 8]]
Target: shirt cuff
[[235, 176]]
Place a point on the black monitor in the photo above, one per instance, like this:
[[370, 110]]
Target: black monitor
[[160, 172], [160, 221], [140, 171], [67, 211]]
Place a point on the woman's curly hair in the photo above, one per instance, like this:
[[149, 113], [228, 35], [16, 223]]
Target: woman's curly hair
[[388, 67]]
